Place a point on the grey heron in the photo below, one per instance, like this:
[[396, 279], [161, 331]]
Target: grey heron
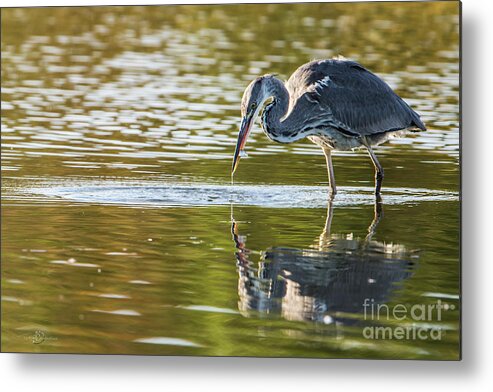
[[336, 103]]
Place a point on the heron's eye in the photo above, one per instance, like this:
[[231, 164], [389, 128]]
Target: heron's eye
[[253, 105]]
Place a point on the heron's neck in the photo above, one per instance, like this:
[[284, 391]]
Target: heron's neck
[[276, 110]]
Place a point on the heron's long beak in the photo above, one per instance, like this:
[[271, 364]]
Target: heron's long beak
[[246, 125]]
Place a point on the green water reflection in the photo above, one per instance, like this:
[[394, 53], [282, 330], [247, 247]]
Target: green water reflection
[[151, 95]]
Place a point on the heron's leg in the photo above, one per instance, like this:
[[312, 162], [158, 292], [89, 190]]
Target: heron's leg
[[330, 170], [378, 171]]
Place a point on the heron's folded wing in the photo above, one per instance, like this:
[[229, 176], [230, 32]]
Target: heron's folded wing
[[359, 99]]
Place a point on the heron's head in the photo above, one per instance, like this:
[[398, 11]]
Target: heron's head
[[252, 103]]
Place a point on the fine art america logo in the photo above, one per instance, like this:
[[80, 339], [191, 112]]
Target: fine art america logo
[[422, 327]]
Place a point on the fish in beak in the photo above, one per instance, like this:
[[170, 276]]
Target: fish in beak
[[246, 126]]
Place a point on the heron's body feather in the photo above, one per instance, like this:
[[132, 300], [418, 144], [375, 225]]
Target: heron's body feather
[[356, 101]]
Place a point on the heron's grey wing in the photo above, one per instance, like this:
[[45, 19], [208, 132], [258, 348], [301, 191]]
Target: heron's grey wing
[[356, 99]]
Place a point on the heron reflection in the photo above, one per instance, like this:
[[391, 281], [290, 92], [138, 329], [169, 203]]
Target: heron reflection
[[326, 282]]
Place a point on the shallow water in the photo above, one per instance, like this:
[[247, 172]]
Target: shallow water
[[203, 195], [121, 231]]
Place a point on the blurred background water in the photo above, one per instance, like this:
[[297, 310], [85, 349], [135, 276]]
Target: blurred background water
[[118, 127]]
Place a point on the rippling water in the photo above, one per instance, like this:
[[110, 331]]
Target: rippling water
[[110, 114]]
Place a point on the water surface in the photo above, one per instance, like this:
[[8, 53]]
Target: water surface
[[121, 231]]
